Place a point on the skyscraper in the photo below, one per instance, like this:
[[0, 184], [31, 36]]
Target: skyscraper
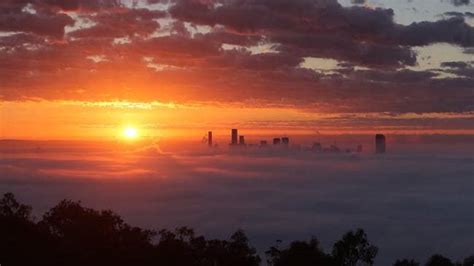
[[235, 134], [379, 143], [209, 138], [242, 140]]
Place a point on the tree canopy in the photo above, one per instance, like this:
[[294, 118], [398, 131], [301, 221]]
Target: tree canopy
[[74, 235]]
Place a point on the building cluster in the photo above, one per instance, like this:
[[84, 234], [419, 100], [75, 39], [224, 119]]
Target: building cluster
[[237, 140]]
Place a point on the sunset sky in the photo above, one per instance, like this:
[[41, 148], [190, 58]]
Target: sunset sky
[[109, 102], [86, 69]]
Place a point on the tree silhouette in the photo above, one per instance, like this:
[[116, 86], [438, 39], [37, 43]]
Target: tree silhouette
[[469, 261], [73, 235], [183, 247], [354, 248], [239, 251], [94, 237], [70, 234], [299, 253], [438, 260], [406, 262], [11, 208], [21, 242]]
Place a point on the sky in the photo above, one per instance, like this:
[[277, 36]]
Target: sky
[[86, 69]]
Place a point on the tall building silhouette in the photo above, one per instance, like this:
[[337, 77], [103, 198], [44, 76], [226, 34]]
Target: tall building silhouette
[[209, 138], [235, 134], [242, 140], [379, 143]]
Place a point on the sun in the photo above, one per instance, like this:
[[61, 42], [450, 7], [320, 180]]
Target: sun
[[130, 133]]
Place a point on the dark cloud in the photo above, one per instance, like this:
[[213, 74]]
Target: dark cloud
[[350, 32], [80, 5], [268, 41], [455, 64], [50, 25], [461, 2], [454, 30], [313, 18], [120, 23], [223, 36], [21, 41], [340, 48], [45, 17], [201, 70], [178, 48], [461, 69], [459, 14], [326, 33], [158, 1], [179, 28], [12, 6]]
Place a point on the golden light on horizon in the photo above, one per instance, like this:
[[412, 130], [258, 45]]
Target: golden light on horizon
[[130, 133]]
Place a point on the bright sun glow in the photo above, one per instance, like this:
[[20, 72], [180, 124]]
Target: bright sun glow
[[130, 133]]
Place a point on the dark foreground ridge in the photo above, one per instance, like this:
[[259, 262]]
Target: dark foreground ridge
[[70, 234]]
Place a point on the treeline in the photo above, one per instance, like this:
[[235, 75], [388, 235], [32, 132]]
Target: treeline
[[70, 234]]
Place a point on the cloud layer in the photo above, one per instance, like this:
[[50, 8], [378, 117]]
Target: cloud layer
[[229, 51]]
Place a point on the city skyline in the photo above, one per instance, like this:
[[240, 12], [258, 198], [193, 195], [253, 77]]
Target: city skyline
[[237, 141]]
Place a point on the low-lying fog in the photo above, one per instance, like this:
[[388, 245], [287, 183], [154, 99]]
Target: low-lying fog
[[414, 201]]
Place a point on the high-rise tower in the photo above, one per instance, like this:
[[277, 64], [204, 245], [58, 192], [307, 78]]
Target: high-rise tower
[[242, 140], [209, 138], [235, 134]]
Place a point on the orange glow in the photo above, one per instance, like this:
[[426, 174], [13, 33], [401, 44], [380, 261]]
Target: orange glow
[[108, 120]]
